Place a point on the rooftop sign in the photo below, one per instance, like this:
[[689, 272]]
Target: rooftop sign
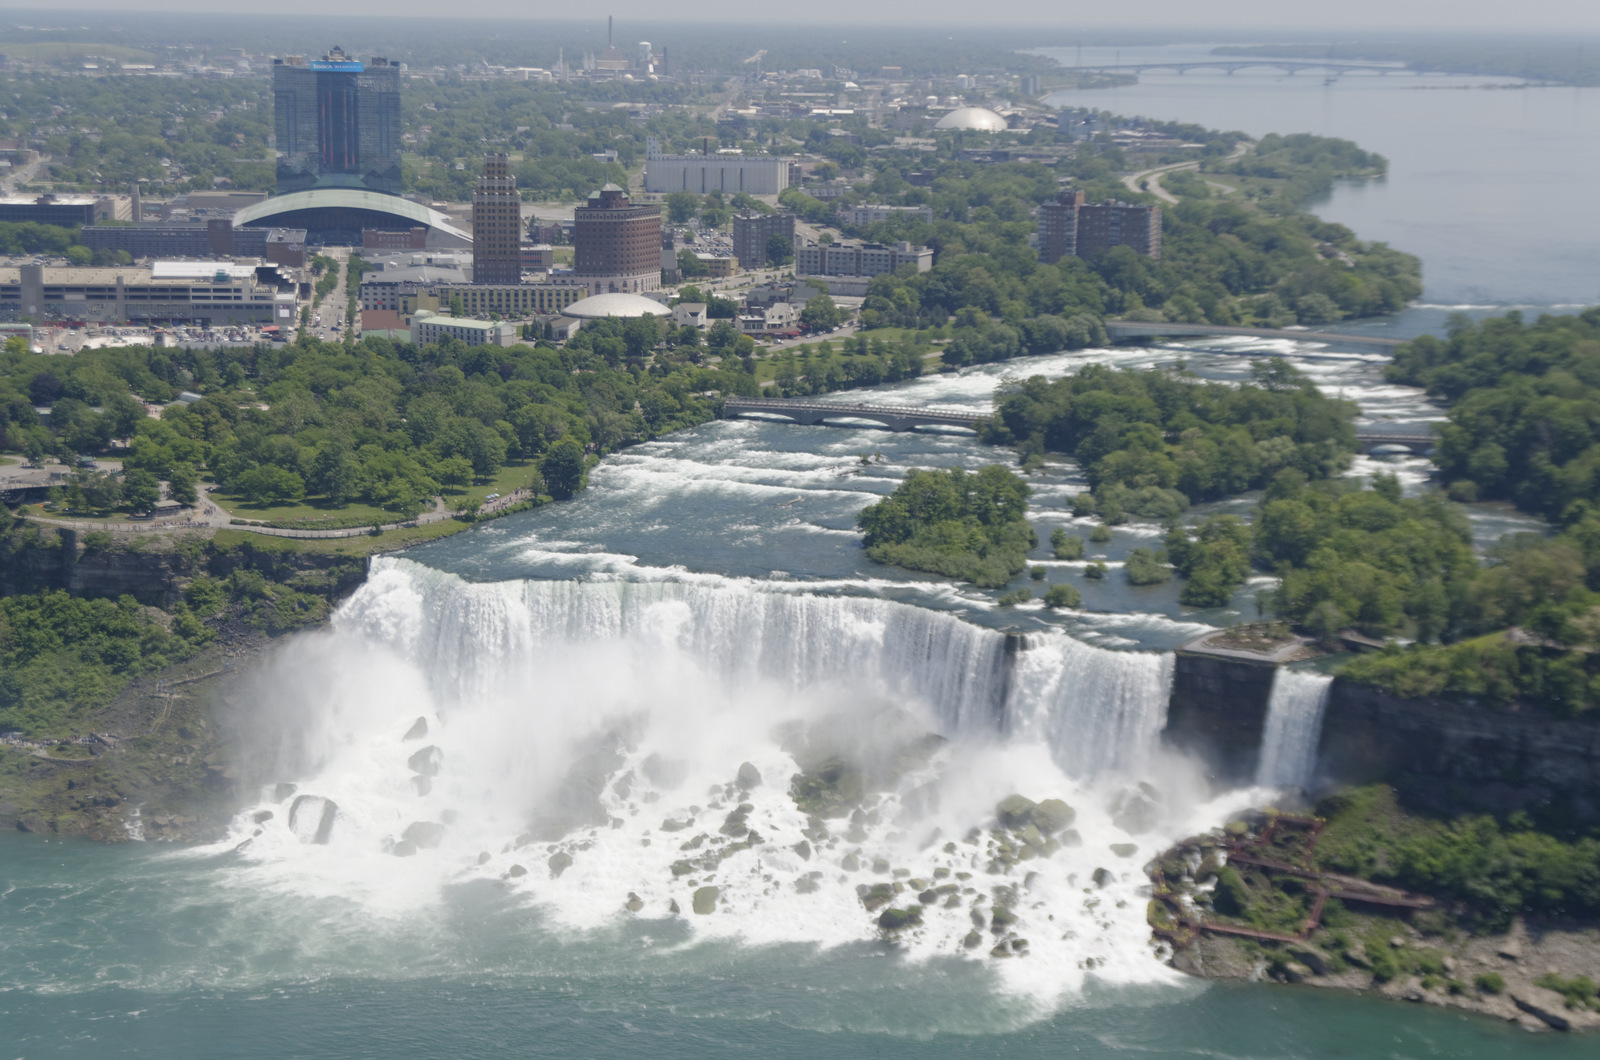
[[340, 66]]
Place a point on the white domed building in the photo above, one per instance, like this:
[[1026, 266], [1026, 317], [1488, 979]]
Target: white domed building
[[616, 304], [976, 119]]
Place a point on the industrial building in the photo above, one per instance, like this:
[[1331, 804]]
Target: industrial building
[[496, 224], [337, 123], [1070, 227], [213, 238], [752, 231], [410, 290], [730, 173], [617, 243], [208, 292]]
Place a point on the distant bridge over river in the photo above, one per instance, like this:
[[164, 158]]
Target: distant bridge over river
[[1122, 331], [1288, 66]]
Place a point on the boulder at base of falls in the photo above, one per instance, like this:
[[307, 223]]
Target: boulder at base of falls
[[311, 818], [634, 903], [1102, 877], [404, 849], [283, 791], [418, 730], [1052, 815], [516, 871], [896, 919], [749, 776], [559, 862], [876, 896], [705, 900], [973, 940], [1136, 812], [1124, 850], [425, 834], [261, 816], [423, 785], [1069, 838], [426, 762], [803, 848], [1015, 811]]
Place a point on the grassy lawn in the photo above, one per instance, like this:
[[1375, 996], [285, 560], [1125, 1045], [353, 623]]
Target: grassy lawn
[[515, 475], [308, 510], [360, 545], [563, 255]]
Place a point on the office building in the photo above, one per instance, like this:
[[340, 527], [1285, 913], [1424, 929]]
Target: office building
[[867, 215], [859, 259], [496, 224], [208, 292], [214, 238], [728, 173], [65, 211], [1072, 227], [428, 328], [338, 123], [618, 243], [753, 231]]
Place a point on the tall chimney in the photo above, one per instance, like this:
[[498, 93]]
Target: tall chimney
[[609, 42]]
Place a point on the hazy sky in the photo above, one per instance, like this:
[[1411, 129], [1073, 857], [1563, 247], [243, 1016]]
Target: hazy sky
[[1350, 16]]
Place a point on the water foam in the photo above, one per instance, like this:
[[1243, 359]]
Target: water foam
[[1293, 729]]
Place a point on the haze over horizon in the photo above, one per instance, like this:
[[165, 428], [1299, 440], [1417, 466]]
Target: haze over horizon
[[1365, 18]]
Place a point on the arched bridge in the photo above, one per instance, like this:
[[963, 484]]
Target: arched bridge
[[1419, 440], [1119, 331], [809, 413]]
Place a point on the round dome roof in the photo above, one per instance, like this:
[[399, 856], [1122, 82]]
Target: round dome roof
[[616, 305], [979, 118]]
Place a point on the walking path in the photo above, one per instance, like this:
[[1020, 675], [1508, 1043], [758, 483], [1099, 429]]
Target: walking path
[[1152, 177]]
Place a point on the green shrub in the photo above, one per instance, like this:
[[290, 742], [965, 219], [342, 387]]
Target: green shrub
[[1145, 567], [1066, 546], [1100, 534], [1231, 897], [1036, 572], [1021, 596], [1095, 570], [1490, 982], [1063, 596]]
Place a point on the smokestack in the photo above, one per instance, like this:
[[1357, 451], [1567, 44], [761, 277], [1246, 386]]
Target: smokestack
[[609, 42]]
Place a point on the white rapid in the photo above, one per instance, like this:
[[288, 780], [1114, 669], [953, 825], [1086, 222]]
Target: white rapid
[[613, 750], [1293, 729]]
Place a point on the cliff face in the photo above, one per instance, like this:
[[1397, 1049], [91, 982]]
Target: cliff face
[[1455, 757], [152, 578], [1218, 712]]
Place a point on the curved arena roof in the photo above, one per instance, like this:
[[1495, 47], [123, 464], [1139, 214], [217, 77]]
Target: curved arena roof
[[981, 119], [321, 210], [616, 305]]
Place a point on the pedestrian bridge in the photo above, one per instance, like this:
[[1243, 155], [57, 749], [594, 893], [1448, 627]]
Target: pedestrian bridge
[[1416, 440], [810, 413], [1122, 331]]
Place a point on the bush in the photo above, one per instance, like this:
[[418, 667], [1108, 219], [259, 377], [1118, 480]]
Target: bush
[[1063, 596], [1036, 572], [1066, 546], [1021, 596], [1145, 567], [1490, 982], [1100, 534], [1096, 570]]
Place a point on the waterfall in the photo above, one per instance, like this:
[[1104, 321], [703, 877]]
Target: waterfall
[[1293, 729]]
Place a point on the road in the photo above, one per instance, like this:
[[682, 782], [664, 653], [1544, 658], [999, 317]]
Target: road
[[1152, 177]]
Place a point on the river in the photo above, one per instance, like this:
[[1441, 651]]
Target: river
[[519, 872]]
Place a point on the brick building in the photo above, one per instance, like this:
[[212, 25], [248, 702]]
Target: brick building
[[496, 225], [618, 243], [752, 231], [1072, 227]]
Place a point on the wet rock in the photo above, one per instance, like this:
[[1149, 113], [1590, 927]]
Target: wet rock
[[850, 863], [1069, 838], [897, 919], [516, 871], [696, 843], [705, 900], [1312, 957], [734, 825], [634, 903], [875, 896], [1102, 877], [1296, 972], [1135, 813], [1002, 950], [1029, 880], [1034, 838], [880, 866], [664, 773], [422, 785], [559, 862], [418, 730], [810, 883], [404, 849], [973, 940], [1124, 850], [803, 849], [1542, 1004], [670, 825], [311, 818], [426, 762], [283, 791], [1052, 815], [1001, 919], [261, 816], [681, 868], [483, 858], [672, 907], [1015, 811], [425, 834], [749, 776], [830, 788]]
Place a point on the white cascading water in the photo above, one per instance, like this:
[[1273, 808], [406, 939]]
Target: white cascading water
[[1293, 729], [593, 747]]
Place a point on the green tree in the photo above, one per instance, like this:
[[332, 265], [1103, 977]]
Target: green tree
[[682, 207], [563, 468], [820, 313], [780, 251], [181, 484]]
